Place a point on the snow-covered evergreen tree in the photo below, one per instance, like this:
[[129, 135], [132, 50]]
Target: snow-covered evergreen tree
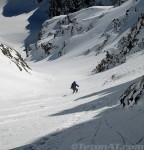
[[68, 6], [62, 7]]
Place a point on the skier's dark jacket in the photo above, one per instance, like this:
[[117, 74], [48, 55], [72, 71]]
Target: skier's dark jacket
[[74, 85]]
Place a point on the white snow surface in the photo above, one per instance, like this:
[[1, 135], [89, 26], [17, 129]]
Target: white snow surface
[[15, 18], [38, 110], [12, 29]]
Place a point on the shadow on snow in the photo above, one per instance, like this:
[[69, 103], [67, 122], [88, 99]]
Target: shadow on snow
[[18, 7], [113, 125], [107, 98]]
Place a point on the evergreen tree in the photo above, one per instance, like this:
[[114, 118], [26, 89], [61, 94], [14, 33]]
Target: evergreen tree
[[68, 6]]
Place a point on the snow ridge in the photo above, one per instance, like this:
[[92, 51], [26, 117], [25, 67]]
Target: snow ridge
[[101, 48], [15, 57]]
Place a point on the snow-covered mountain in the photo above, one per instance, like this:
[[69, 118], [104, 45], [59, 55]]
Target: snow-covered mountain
[[101, 48], [113, 37], [20, 22], [63, 7], [98, 30]]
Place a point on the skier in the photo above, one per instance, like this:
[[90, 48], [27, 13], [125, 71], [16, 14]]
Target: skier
[[74, 86]]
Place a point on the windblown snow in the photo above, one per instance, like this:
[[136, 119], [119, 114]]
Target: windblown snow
[[102, 49]]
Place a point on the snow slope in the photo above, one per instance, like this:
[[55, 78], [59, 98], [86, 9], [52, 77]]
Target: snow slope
[[91, 30], [58, 119], [19, 25], [43, 113], [18, 85]]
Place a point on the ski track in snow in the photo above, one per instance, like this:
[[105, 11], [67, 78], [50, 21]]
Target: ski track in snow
[[39, 112]]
